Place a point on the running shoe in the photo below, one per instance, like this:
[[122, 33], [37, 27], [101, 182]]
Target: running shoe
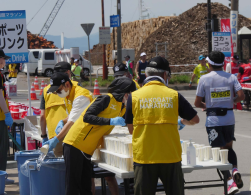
[[232, 189], [237, 179]]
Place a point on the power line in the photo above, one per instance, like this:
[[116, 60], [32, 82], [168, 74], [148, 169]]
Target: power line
[[37, 12]]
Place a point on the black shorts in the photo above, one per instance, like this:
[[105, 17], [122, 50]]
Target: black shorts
[[219, 136]]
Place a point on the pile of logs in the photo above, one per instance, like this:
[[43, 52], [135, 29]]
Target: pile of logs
[[186, 34], [36, 42]]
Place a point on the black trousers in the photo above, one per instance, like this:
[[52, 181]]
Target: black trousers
[[4, 145], [147, 175], [78, 172]]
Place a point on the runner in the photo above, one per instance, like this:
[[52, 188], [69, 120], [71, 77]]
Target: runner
[[200, 69], [140, 69], [232, 67], [219, 87]]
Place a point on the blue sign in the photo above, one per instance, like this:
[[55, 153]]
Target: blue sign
[[114, 21], [222, 42], [13, 35]]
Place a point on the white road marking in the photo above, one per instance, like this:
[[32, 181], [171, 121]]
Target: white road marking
[[245, 136]]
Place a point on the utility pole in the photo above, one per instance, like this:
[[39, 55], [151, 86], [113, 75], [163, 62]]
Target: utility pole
[[119, 47], [234, 23], [209, 28], [105, 71]]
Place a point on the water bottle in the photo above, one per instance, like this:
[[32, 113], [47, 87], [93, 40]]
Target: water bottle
[[191, 154]]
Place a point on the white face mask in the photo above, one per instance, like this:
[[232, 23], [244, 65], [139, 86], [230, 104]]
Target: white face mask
[[125, 100], [63, 94], [166, 82]]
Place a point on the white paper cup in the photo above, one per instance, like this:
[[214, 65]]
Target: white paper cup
[[216, 154], [201, 153], [208, 152], [224, 156], [197, 152]]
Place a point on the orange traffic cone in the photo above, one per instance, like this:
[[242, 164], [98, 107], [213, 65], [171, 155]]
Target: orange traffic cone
[[36, 83], [96, 88], [42, 87], [7, 93], [33, 93]]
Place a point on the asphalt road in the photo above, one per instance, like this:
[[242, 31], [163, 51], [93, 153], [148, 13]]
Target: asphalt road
[[198, 134]]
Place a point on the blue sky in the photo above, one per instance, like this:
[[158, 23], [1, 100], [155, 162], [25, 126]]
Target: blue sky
[[75, 12]]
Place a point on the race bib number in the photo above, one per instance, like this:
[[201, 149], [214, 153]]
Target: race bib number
[[220, 94], [143, 71]]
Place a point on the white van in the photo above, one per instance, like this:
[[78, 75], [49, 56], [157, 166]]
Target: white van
[[49, 57], [33, 61]]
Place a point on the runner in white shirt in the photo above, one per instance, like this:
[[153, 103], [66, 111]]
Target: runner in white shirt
[[218, 88]]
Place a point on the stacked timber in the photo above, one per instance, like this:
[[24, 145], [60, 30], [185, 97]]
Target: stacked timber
[[37, 42]]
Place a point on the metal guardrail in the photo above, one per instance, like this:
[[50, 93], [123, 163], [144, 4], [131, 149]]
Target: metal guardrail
[[170, 66]]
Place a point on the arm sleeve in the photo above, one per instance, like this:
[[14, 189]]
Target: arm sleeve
[[228, 68], [99, 105], [241, 70], [42, 103], [128, 114], [237, 85], [186, 110], [200, 89], [78, 106]]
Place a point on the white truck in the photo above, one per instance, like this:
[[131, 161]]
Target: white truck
[[33, 61], [47, 59]]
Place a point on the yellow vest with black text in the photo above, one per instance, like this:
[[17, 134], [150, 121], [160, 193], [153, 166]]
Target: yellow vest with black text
[[2, 116], [87, 137], [76, 91], [155, 124], [12, 68], [55, 110]]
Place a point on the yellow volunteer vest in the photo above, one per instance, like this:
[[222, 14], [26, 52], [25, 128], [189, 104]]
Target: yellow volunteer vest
[[87, 137], [137, 85], [55, 110], [12, 68], [155, 124], [2, 116], [76, 91]]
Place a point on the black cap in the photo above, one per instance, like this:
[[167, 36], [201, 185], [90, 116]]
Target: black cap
[[236, 57], [121, 85], [159, 63], [57, 79], [63, 67], [2, 55], [127, 56], [119, 69], [72, 58]]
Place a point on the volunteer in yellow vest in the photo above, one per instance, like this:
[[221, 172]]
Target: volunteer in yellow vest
[[121, 70], [13, 71], [76, 69], [86, 134], [76, 100], [200, 70], [5, 119], [152, 117], [53, 109]]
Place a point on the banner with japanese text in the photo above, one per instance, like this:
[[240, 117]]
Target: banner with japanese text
[[13, 35], [225, 27], [234, 29]]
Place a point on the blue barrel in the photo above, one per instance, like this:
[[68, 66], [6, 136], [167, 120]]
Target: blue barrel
[[21, 157], [3, 176], [50, 179]]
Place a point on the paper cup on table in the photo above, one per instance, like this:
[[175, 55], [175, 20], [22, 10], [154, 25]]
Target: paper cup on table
[[201, 154], [208, 152], [224, 156], [216, 154], [184, 147]]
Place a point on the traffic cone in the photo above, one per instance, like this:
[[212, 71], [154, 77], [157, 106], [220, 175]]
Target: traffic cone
[[42, 87], [96, 88], [7, 93], [36, 83], [33, 93]]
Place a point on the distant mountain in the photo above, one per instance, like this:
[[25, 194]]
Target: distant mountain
[[81, 42]]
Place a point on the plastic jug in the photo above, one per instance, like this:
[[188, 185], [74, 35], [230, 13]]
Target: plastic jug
[[191, 154]]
